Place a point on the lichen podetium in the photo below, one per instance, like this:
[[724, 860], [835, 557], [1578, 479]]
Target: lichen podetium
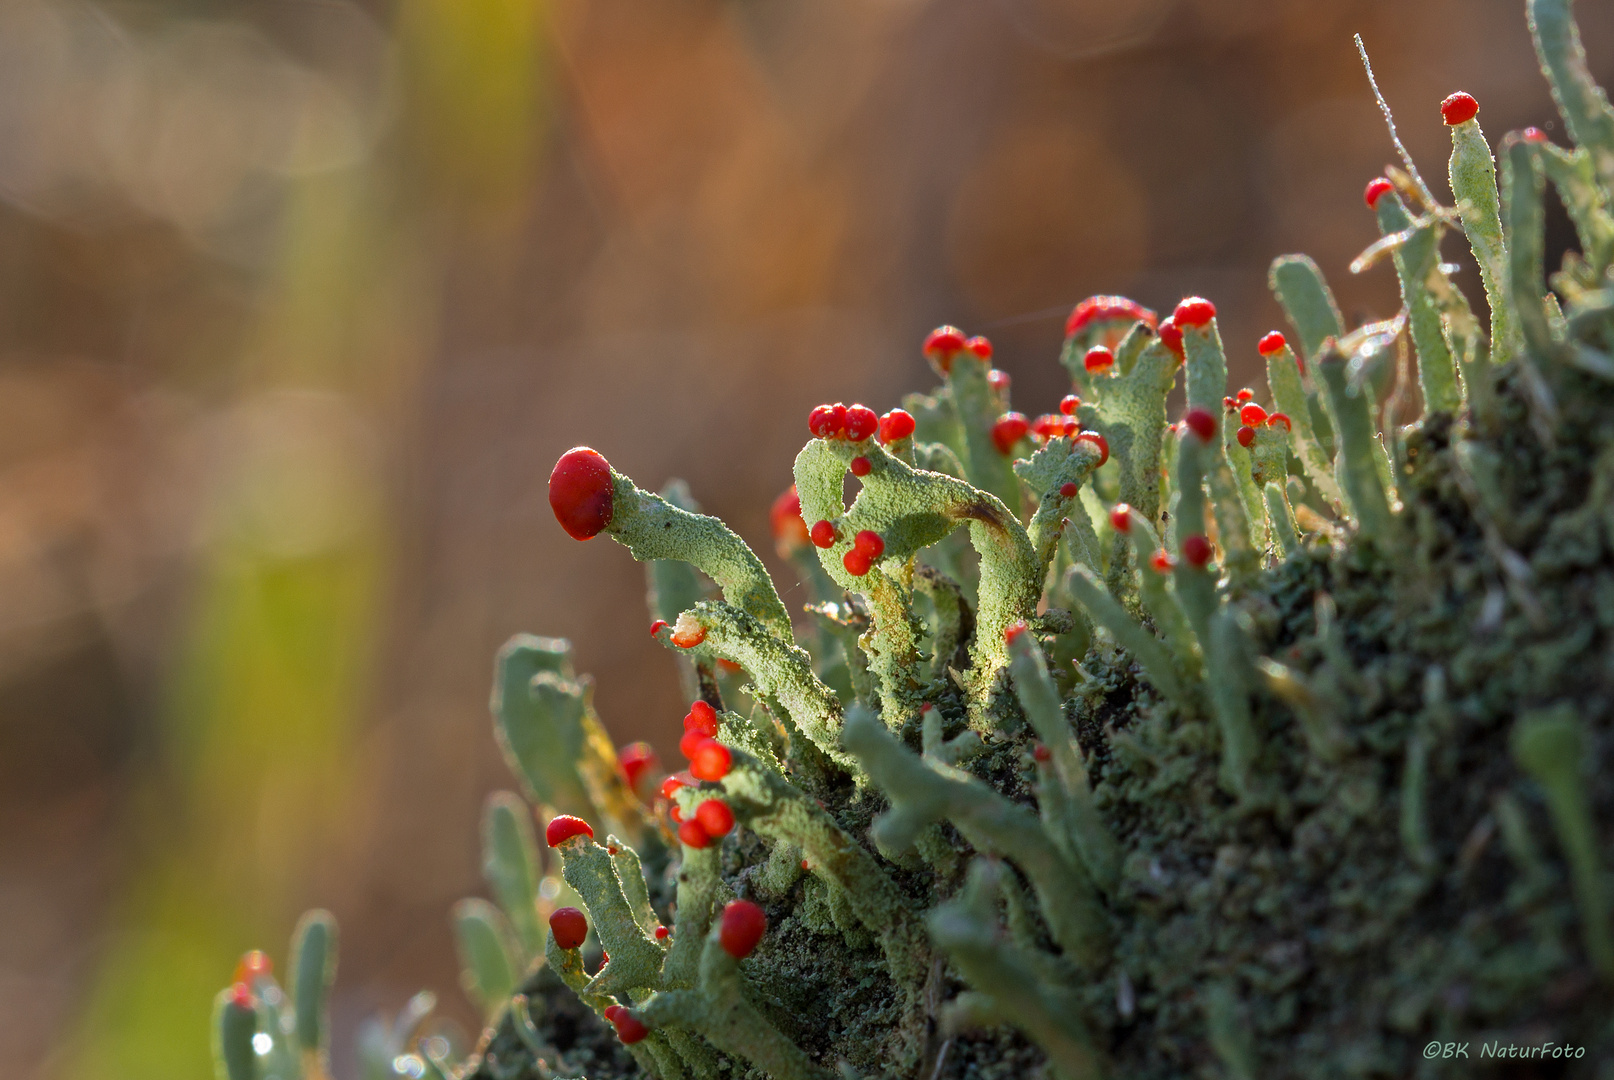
[[1261, 743]]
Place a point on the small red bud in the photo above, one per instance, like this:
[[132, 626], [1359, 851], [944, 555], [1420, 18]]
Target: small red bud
[[1279, 418], [861, 466], [701, 717], [1098, 360], [569, 926], [1013, 631], [1048, 426], [980, 347], [580, 492], [1377, 188], [861, 423], [728, 667], [715, 817], [789, 530], [1458, 108], [942, 344], [896, 424], [1273, 342], [1097, 440], [869, 543], [638, 760], [563, 827], [676, 814], [1201, 423], [823, 534], [1533, 135], [1161, 561], [1069, 489], [1196, 550], [743, 926], [804, 864], [658, 626], [1010, 428], [1230, 403], [1069, 404], [999, 381], [1041, 752], [1245, 436], [1245, 395], [710, 761], [857, 562], [1072, 425], [241, 996], [1194, 311], [254, 965], [1121, 518], [692, 833], [1171, 336], [821, 421], [663, 933], [1252, 415], [691, 740], [688, 632], [629, 1028]]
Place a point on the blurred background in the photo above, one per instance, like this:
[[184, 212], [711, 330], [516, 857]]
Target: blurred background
[[300, 300]]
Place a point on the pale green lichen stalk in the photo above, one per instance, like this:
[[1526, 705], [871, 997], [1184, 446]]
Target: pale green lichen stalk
[[1268, 742]]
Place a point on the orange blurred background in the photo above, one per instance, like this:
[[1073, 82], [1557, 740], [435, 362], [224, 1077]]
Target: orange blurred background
[[299, 302]]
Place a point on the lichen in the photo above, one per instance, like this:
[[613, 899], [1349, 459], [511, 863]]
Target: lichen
[[1285, 767]]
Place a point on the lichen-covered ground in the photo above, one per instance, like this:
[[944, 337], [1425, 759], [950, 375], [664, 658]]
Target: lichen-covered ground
[[1398, 883]]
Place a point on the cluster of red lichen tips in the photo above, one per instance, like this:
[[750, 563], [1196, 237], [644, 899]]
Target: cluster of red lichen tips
[[1252, 416], [945, 343], [708, 760], [853, 423], [867, 546]]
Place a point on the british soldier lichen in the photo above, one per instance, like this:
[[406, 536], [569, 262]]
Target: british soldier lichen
[[1259, 743]]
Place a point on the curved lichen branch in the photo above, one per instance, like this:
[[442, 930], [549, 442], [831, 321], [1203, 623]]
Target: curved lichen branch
[[589, 497], [911, 509], [635, 957], [780, 671], [1055, 474]]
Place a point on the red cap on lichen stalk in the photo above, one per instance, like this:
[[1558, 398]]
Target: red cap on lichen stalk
[[580, 492], [639, 762], [1458, 108], [564, 827], [941, 345], [1201, 423], [1194, 311], [896, 424], [569, 926], [1171, 336], [1106, 319], [789, 530], [1010, 428], [742, 927]]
